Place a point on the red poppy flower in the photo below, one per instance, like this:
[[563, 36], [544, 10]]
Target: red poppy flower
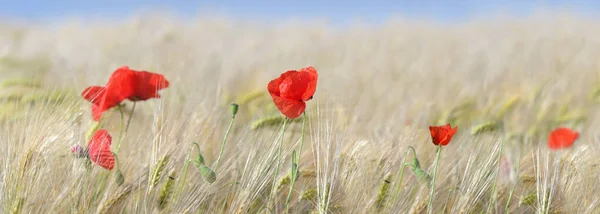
[[292, 89], [441, 135], [123, 84], [99, 149], [562, 138], [146, 85]]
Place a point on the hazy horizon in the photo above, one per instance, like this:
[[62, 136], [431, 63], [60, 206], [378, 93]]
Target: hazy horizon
[[336, 13]]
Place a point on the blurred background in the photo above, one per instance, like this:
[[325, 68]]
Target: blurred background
[[338, 12]]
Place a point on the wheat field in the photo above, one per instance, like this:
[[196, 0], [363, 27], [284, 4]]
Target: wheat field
[[504, 81]]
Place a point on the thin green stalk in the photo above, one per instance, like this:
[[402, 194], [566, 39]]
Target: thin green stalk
[[493, 195], [130, 116], [186, 166], [289, 196], [121, 132], [401, 173], [116, 161], [293, 181], [431, 193], [302, 138], [274, 187], [512, 189], [124, 127], [223, 143]]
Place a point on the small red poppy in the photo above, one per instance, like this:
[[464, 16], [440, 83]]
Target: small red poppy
[[99, 150], [441, 135], [292, 89], [123, 84], [562, 138]]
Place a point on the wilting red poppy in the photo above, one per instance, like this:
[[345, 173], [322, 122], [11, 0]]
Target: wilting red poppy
[[562, 138], [123, 84], [292, 89], [99, 150], [441, 135]]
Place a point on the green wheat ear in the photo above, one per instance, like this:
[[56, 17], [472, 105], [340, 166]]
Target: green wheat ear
[[12, 111], [576, 116], [309, 194], [489, 126], [267, 121], [166, 192], [528, 199], [443, 118], [14, 93], [255, 205], [56, 96], [249, 97], [595, 95], [18, 206], [383, 192], [22, 82], [157, 171], [509, 105], [285, 180]]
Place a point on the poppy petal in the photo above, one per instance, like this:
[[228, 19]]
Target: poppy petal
[[273, 86], [290, 108], [562, 138], [96, 112], [148, 84], [99, 150], [120, 86], [93, 94], [442, 135], [312, 85], [295, 86]]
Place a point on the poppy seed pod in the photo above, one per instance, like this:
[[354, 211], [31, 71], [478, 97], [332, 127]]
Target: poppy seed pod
[[120, 179], [234, 109]]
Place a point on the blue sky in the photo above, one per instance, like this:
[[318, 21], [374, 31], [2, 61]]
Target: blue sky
[[333, 10]]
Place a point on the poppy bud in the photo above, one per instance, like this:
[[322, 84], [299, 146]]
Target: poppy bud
[[415, 163], [199, 161], [78, 151], [120, 179], [234, 109], [207, 173], [422, 176]]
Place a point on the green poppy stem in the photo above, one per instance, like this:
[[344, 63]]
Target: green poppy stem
[[224, 142], [124, 127], [130, 116], [121, 132], [301, 139], [401, 173], [432, 187], [274, 187], [116, 161], [186, 166], [293, 179]]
